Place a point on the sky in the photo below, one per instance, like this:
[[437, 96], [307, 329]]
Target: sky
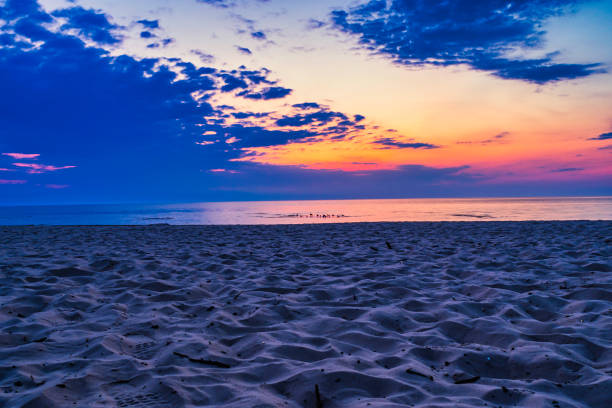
[[110, 101]]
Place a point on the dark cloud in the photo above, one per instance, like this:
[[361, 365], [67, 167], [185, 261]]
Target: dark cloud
[[258, 35], [146, 34], [31, 30], [204, 57], [218, 3], [244, 50], [603, 136], [14, 9], [162, 43], [293, 182], [227, 3], [246, 115], [501, 135], [259, 136], [391, 143], [307, 105], [90, 23], [150, 24], [273, 92], [498, 138], [480, 34], [122, 121], [232, 82], [320, 117], [567, 169]]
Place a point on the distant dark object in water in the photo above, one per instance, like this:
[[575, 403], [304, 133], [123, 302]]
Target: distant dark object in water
[[472, 215], [310, 215]]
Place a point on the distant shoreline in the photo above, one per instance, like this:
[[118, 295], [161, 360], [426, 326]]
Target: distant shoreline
[[322, 225]]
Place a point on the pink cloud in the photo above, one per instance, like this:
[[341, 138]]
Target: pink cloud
[[12, 181], [20, 156], [57, 186], [3, 169], [41, 168]]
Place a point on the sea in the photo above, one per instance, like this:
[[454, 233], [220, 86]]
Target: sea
[[314, 211]]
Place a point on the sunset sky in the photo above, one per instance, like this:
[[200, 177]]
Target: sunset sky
[[187, 100]]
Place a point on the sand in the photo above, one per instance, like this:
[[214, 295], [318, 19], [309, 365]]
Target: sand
[[343, 315]]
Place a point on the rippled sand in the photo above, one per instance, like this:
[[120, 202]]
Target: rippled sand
[[339, 315]]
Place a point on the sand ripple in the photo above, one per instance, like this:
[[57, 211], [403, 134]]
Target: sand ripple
[[338, 315]]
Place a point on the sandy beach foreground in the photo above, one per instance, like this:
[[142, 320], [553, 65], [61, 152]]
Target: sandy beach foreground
[[340, 315]]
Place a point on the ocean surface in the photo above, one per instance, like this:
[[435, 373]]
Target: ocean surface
[[319, 211]]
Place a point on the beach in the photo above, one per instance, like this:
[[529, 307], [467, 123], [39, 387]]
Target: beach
[[424, 314]]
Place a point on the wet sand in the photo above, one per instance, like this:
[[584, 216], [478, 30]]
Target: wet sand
[[465, 314]]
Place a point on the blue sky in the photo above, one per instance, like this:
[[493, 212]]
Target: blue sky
[[160, 101]]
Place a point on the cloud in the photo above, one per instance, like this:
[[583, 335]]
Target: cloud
[[390, 143], [20, 156], [259, 35], [132, 122], [90, 23], [603, 136], [314, 24], [498, 138], [294, 182], [244, 50], [35, 168], [218, 3], [162, 43], [227, 3], [567, 170], [245, 115], [3, 181], [150, 24], [204, 57], [273, 92], [57, 186], [322, 116], [501, 135], [609, 147], [14, 9], [247, 136], [307, 105], [481, 35]]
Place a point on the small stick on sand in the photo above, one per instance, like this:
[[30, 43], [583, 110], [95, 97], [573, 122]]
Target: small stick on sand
[[202, 361], [318, 395], [411, 371], [468, 380]]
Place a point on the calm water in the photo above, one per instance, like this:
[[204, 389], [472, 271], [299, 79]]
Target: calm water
[[324, 211]]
